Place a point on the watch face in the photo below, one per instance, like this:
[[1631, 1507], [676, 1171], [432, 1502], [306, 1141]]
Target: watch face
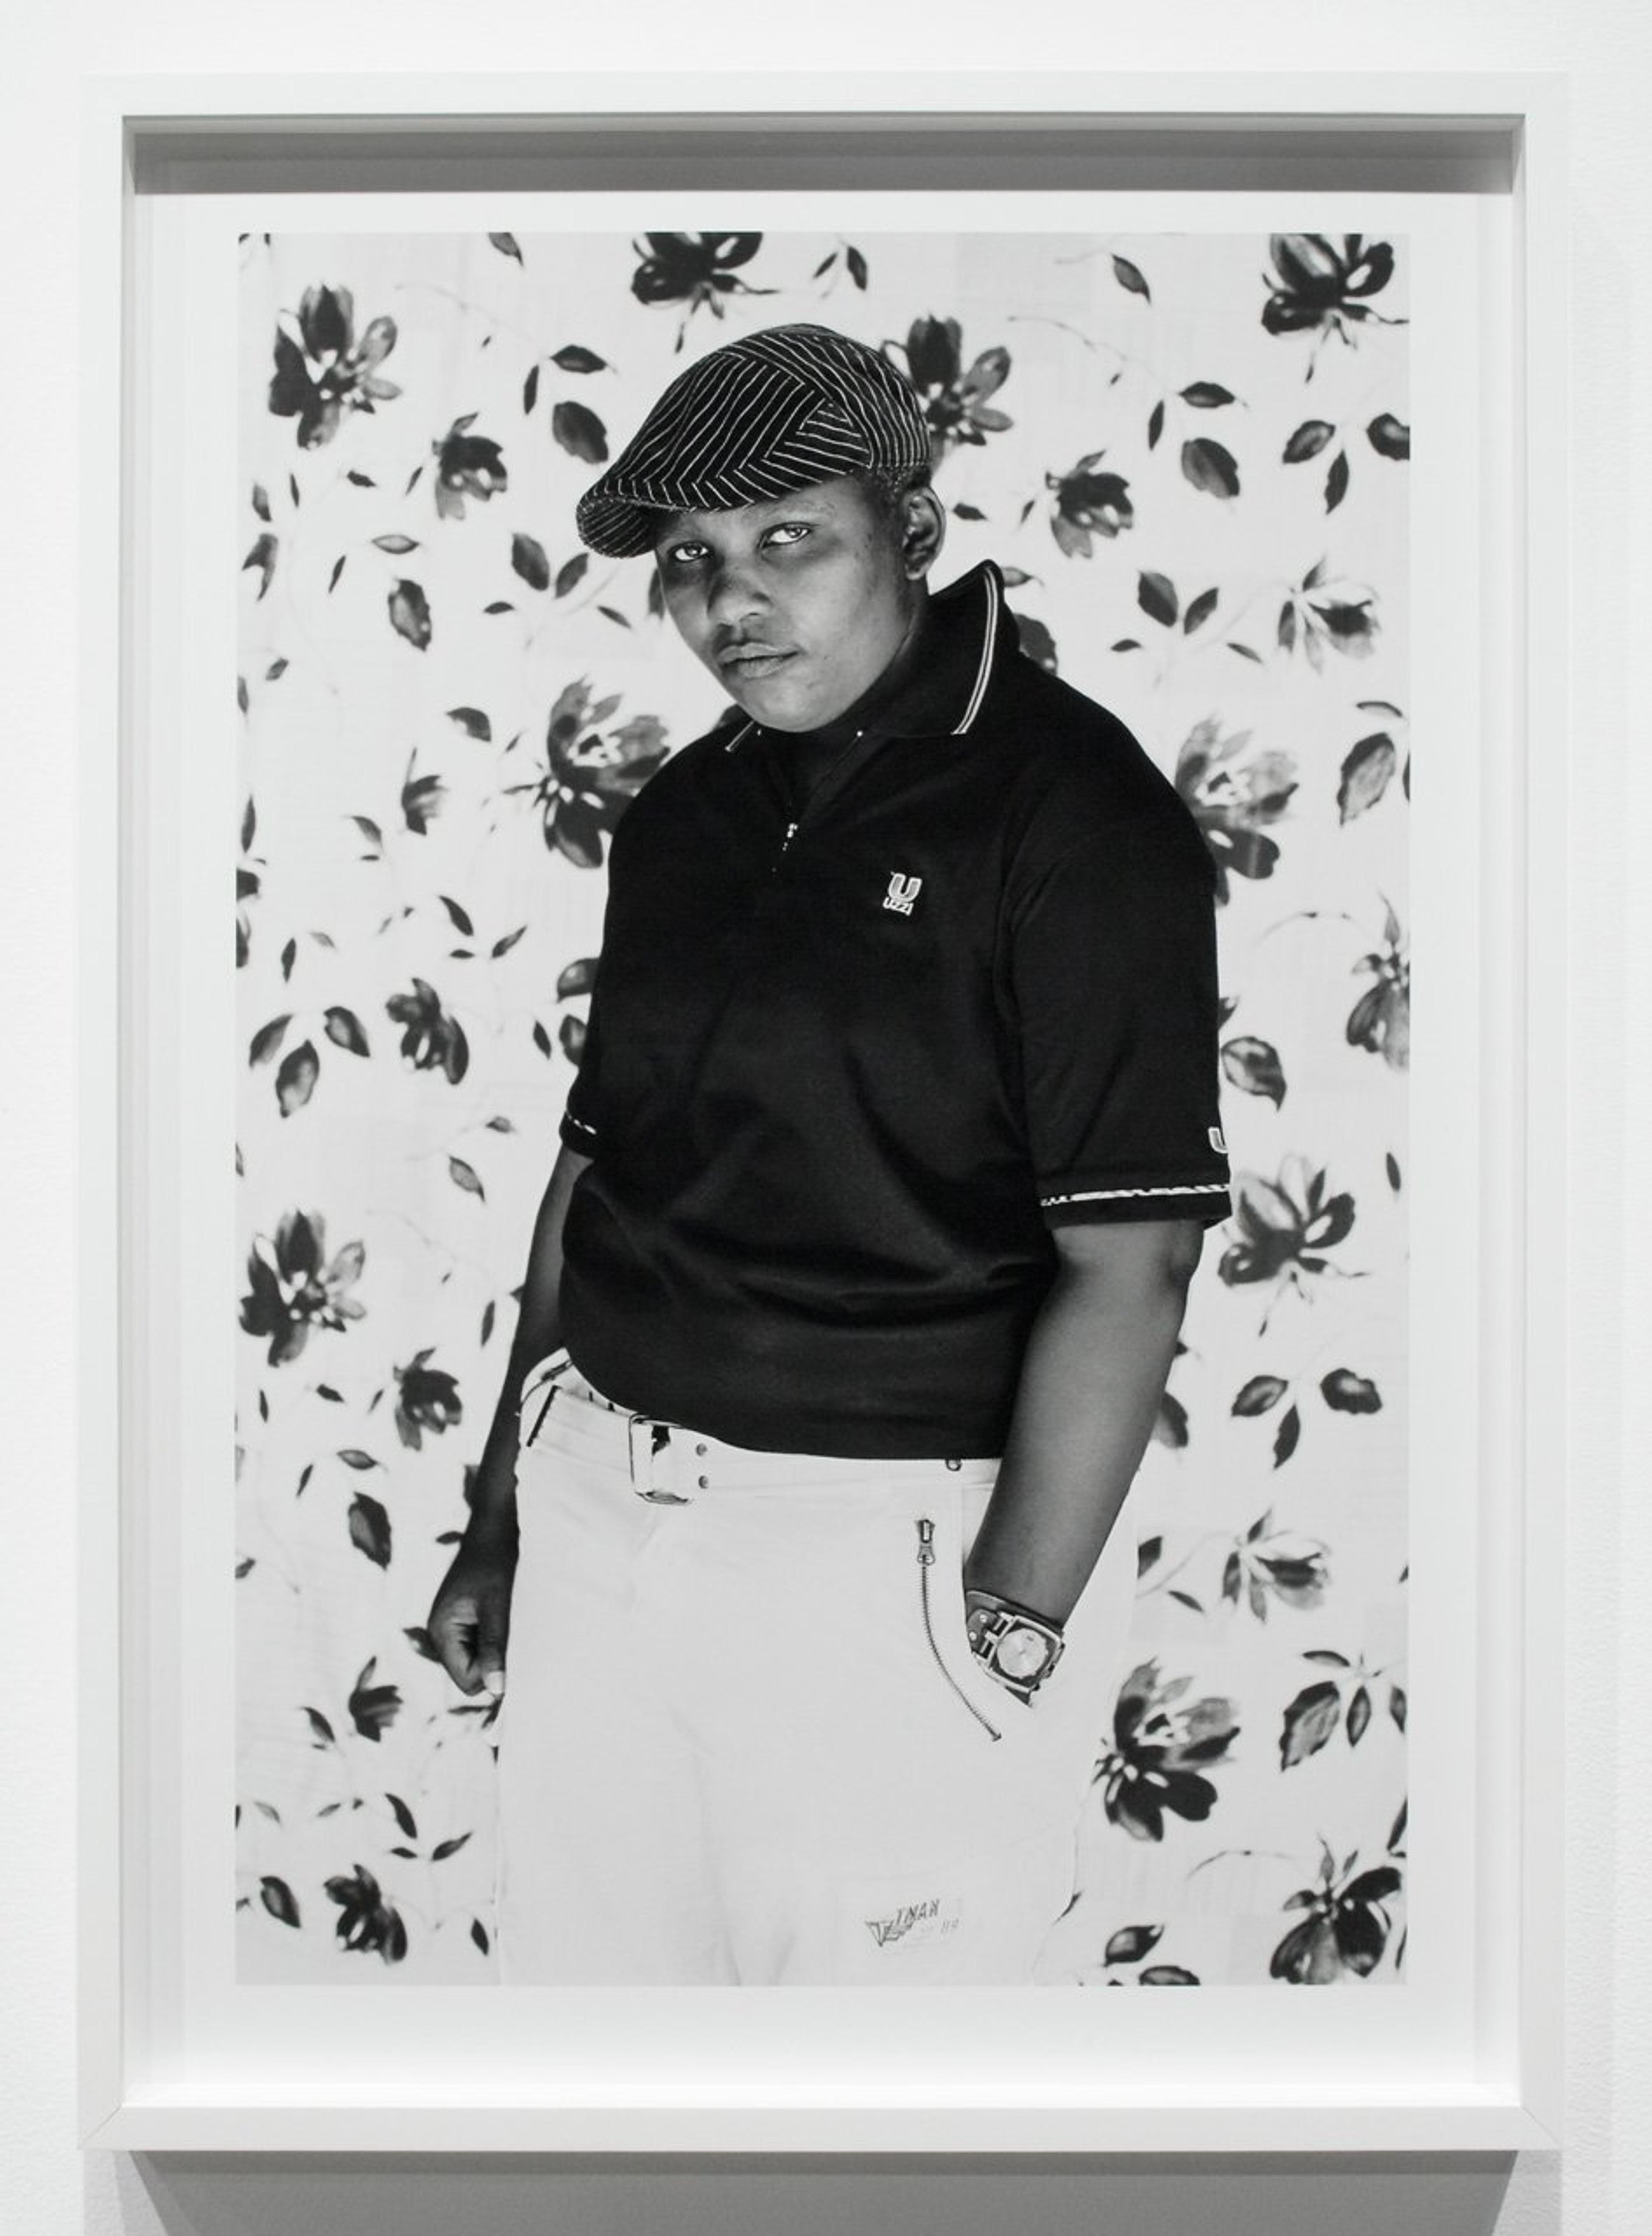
[[1022, 1653]]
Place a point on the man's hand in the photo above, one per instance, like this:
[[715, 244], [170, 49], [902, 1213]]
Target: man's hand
[[469, 1620]]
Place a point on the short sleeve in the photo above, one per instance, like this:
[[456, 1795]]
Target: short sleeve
[[1113, 968]]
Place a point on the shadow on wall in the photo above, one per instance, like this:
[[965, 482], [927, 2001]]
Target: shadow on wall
[[310, 2194]]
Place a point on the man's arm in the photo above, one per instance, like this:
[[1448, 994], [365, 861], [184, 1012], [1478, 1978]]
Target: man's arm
[[1093, 1374], [538, 1333], [469, 1618]]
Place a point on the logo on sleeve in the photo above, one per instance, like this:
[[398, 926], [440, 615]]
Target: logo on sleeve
[[903, 890], [1216, 1141]]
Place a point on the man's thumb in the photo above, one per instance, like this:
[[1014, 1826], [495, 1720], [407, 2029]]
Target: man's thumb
[[490, 1650]]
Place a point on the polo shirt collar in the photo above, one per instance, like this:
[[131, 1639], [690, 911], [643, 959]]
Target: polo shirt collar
[[968, 632]]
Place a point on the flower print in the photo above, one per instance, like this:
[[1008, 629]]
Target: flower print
[[1346, 1928], [1160, 1751], [1380, 1019], [322, 372], [292, 1290], [425, 1398], [1231, 804], [467, 465], [1088, 504], [1317, 284], [955, 403], [1291, 1567], [1317, 615], [366, 1921], [694, 268], [432, 1040], [592, 774], [1285, 1225]]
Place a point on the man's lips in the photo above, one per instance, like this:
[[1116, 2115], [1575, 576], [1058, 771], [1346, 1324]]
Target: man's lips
[[749, 661]]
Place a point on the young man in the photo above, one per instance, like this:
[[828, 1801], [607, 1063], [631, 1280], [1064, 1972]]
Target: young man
[[853, 1292]]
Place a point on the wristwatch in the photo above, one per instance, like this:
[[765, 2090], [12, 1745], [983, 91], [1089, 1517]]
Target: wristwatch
[[1012, 1644]]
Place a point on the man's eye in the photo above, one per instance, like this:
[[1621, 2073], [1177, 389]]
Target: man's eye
[[682, 554], [788, 531]]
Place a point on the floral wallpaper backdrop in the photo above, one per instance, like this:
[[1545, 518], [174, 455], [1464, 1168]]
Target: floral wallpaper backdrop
[[1189, 455]]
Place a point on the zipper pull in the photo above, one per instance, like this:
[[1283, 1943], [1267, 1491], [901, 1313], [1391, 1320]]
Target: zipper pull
[[925, 1542], [791, 833]]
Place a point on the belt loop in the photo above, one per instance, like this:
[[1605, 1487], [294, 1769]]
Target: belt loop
[[646, 1440]]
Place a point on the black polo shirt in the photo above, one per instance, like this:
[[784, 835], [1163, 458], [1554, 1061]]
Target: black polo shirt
[[848, 1064]]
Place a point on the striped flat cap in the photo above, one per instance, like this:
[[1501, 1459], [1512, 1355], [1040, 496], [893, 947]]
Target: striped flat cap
[[774, 411]]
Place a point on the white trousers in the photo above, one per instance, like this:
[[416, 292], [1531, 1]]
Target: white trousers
[[743, 1738]]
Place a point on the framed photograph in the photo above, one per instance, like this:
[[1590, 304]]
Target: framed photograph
[[1238, 409]]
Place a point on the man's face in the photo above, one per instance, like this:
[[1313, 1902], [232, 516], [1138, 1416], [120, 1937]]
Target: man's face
[[797, 604]]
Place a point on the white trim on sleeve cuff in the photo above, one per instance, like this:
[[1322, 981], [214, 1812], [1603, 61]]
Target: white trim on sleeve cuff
[[1106, 1195]]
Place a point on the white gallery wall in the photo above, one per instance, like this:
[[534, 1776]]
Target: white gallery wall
[[1602, 2186]]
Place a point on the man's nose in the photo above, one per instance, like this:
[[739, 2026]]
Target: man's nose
[[735, 590]]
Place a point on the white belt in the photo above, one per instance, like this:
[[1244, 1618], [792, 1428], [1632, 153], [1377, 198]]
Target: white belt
[[670, 1465]]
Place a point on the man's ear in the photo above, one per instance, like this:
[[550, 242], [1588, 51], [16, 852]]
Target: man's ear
[[923, 531]]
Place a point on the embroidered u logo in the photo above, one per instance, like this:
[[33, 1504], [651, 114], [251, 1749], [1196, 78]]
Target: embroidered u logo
[[903, 890]]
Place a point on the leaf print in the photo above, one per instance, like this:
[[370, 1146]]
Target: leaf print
[[1289, 1432], [410, 613], [572, 358], [1210, 467], [1336, 482], [1200, 610], [1130, 278], [1131, 1944], [1366, 771], [506, 244], [1389, 437], [1253, 1066], [472, 722], [370, 1530], [1156, 595], [1308, 440], [373, 1708], [528, 559], [262, 555], [1259, 1395], [277, 1898], [1310, 1721], [342, 1028], [580, 431], [1344, 1392], [295, 1082], [464, 1176], [1207, 395], [266, 1042]]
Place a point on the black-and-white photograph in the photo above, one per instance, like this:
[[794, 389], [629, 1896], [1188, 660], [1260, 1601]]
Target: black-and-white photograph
[[823, 997]]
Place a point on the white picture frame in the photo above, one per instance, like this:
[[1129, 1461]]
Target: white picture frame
[[793, 2076]]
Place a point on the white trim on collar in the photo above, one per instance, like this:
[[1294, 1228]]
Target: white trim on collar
[[983, 672]]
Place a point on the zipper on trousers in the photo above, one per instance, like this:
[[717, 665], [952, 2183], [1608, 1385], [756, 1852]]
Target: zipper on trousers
[[926, 1561]]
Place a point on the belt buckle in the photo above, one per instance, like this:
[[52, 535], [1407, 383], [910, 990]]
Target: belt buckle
[[647, 1438]]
